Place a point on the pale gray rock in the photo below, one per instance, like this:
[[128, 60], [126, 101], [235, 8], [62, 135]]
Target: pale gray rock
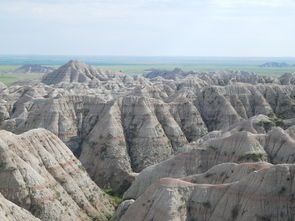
[[2, 86], [122, 208], [33, 68], [40, 174], [277, 146], [287, 78], [73, 71], [11, 212], [117, 124], [263, 194]]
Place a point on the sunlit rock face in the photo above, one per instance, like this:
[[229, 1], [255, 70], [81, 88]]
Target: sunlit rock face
[[118, 125], [252, 191], [39, 173]]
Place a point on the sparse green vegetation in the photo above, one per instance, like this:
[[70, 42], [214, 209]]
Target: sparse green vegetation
[[264, 123], [81, 167], [115, 197], [212, 147], [204, 133], [121, 143], [181, 207], [273, 122], [63, 181], [108, 216], [81, 204], [57, 194], [277, 122], [95, 218], [252, 156]]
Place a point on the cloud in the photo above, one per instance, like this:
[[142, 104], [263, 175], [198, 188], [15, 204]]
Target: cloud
[[147, 27], [141, 11], [265, 3], [67, 9], [96, 12]]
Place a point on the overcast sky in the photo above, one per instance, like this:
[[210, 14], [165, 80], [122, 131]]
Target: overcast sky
[[148, 27]]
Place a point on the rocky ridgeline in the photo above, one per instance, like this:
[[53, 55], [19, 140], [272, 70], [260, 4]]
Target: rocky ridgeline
[[11, 212], [33, 68], [251, 191], [130, 132], [277, 147], [40, 174], [144, 121]]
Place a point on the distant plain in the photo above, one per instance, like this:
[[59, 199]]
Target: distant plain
[[138, 65]]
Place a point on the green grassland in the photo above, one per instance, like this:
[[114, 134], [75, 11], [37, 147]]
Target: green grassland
[[8, 77]]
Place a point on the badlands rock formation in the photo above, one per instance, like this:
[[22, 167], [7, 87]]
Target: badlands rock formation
[[11, 212], [276, 146], [74, 71], [232, 192], [2, 86], [40, 174], [118, 125], [33, 68]]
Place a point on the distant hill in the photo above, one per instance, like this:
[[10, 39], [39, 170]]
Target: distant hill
[[275, 64], [34, 68]]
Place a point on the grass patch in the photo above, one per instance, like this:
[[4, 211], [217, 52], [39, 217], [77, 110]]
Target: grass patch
[[181, 207], [115, 197], [273, 122], [9, 79], [252, 156]]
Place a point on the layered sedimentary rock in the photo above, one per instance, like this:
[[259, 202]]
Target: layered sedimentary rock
[[287, 78], [73, 71], [264, 192], [33, 68], [40, 174], [177, 145], [277, 146], [117, 124], [11, 212], [221, 78]]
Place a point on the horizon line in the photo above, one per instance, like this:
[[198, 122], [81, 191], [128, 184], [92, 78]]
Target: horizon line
[[147, 56]]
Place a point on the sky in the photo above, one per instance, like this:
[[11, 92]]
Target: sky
[[231, 28]]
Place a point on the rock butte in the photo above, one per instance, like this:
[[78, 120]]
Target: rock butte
[[177, 145], [33, 68]]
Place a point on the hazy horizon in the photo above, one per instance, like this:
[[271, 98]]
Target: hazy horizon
[[136, 60], [195, 28]]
